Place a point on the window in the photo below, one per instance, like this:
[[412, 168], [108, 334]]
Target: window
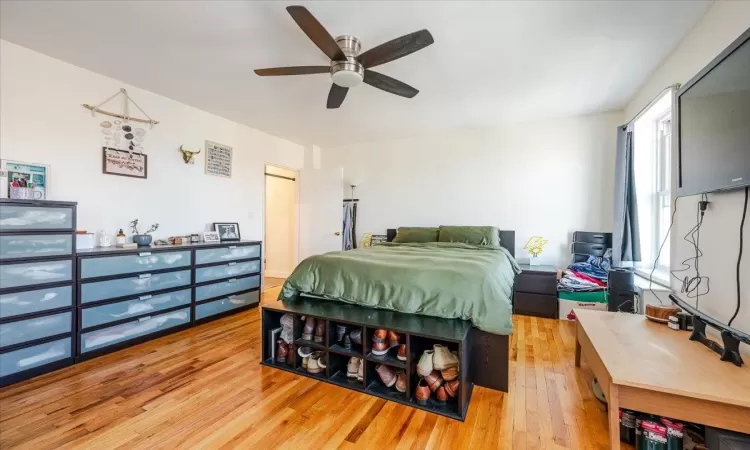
[[652, 155]]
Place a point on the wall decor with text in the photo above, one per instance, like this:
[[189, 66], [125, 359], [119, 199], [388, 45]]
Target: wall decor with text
[[218, 159], [124, 163]]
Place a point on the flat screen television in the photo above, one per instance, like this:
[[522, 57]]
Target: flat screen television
[[714, 124]]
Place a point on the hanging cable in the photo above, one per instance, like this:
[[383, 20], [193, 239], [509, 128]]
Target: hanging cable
[[739, 258], [691, 285]]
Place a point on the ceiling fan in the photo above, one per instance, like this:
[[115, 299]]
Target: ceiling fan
[[348, 67]]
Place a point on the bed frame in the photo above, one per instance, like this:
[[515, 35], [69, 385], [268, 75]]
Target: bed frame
[[489, 353]]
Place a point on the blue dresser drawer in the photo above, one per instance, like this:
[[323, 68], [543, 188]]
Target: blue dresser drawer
[[232, 269], [35, 245], [30, 357], [226, 287], [17, 303], [138, 262], [226, 304], [137, 285], [31, 218], [120, 333], [226, 254], [98, 315], [25, 274], [13, 333]]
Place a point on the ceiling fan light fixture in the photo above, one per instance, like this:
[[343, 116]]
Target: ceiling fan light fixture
[[347, 74]]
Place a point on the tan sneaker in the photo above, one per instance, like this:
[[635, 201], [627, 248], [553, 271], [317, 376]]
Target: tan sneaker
[[424, 367], [361, 370], [353, 368], [442, 358], [316, 363]]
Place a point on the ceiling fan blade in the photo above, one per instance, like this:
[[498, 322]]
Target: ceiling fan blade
[[336, 96], [297, 70], [389, 84], [396, 48], [315, 31]]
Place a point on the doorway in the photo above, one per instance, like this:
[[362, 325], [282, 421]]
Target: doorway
[[281, 224]]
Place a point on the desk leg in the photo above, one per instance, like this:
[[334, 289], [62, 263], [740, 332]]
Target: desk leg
[[578, 345], [613, 409]]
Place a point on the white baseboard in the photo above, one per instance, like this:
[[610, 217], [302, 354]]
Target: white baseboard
[[276, 274]]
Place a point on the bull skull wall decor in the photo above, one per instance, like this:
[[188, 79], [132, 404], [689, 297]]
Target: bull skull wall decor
[[187, 155]]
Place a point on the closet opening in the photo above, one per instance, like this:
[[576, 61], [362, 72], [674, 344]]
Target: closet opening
[[281, 224]]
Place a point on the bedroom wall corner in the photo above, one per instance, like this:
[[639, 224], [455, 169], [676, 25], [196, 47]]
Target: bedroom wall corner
[[549, 178]]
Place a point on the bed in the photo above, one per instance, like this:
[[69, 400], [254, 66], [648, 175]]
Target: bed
[[440, 279], [451, 280]]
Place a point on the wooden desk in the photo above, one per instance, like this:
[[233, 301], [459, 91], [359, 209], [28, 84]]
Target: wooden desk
[[645, 366]]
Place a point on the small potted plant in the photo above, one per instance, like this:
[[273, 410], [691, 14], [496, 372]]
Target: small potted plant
[[143, 240]]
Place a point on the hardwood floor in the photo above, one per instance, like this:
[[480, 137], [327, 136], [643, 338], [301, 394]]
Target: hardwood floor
[[204, 388], [271, 282]]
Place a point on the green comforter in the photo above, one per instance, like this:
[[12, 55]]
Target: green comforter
[[441, 279]]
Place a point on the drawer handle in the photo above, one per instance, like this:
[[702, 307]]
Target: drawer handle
[[144, 297], [599, 236], [231, 280], [143, 319], [144, 275], [144, 254], [231, 263], [232, 247]]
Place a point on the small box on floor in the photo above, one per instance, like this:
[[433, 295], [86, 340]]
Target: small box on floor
[[568, 301]]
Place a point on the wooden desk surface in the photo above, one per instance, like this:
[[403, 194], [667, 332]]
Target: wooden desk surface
[[647, 355]]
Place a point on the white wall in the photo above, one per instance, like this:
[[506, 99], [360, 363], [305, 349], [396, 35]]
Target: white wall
[[42, 121], [719, 240], [546, 178], [281, 223]]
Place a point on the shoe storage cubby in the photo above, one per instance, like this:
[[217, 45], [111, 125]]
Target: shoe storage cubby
[[338, 365], [418, 346], [390, 358], [339, 333], [418, 333], [377, 386], [300, 335]]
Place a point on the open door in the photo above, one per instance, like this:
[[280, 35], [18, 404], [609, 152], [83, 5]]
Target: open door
[[321, 197]]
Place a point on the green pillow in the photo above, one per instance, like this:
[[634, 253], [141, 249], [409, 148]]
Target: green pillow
[[470, 235], [416, 234]]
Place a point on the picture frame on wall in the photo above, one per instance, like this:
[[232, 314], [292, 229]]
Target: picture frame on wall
[[31, 178], [228, 231], [211, 237], [124, 163], [218, 159]]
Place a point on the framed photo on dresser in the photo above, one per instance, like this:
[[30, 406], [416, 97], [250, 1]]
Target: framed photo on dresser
[[228, 231]]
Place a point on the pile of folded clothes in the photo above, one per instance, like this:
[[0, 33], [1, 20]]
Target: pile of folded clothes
[[589, 276]]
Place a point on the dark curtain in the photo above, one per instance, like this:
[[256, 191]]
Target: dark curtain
[[349, 241], [625, 237]]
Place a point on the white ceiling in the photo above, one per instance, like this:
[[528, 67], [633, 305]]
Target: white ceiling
[[490, 63]]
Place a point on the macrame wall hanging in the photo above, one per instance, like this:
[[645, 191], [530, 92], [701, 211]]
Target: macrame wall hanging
[[120, 134]]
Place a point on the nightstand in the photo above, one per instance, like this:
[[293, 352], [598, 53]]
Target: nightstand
[[535, 291]]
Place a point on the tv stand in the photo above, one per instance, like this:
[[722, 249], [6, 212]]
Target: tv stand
[[730, 337]]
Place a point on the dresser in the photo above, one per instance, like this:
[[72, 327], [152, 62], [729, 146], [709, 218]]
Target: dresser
[[126, 297], [535, 291], [37, 287], [59, 305]]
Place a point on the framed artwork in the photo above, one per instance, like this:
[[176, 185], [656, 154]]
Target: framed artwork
[[18, 174], [218, 159], [211, 237], [124, 163], [378, 239], [227, 231]]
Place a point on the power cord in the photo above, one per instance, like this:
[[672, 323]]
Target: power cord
[[691, 285], [739, 258]]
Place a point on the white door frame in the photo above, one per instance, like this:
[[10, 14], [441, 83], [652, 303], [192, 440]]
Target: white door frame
[[295, 227]]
